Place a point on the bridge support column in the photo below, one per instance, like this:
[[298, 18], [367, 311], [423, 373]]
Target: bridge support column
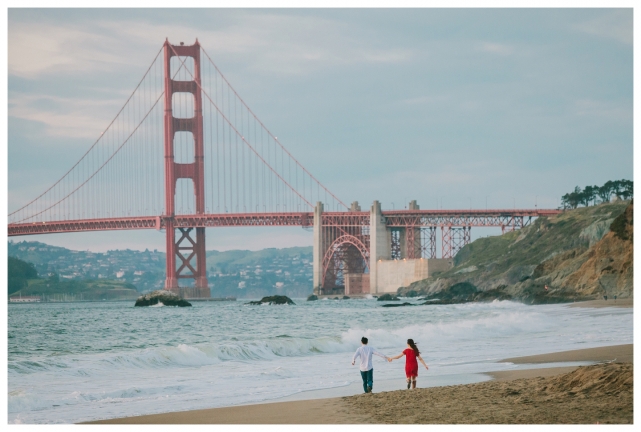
[[380, 242], [318, 250], [171, 282], [187, 268], [432, 243], [446, 241], [413, 242]]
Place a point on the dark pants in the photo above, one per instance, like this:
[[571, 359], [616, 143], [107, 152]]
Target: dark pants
[[368, 379]]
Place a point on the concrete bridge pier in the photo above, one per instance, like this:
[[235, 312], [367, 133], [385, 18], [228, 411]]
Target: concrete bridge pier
[[317, 257], [387, 272], [380, 241]]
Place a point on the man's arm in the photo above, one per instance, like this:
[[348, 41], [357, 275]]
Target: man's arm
[[357, 354], [379, 354]]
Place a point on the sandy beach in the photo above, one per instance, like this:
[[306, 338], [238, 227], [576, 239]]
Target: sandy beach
[[600, 393], [575, 395]]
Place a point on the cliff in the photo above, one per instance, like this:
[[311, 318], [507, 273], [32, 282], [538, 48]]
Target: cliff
[[580, 254]]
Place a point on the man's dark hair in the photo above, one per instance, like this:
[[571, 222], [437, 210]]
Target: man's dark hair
[[364, 340]]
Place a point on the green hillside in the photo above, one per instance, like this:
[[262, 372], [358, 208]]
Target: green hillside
[[24, 281], [515, 263]]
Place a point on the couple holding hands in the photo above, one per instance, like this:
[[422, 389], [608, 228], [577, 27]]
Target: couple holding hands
[[367, 370]]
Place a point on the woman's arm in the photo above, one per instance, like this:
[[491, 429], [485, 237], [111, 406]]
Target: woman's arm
[[397, 357], [421, 359]]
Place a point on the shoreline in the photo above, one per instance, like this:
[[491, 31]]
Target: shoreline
[[333, 410]]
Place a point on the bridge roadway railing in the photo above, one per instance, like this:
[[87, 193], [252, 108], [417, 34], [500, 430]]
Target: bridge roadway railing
[[394, 218]]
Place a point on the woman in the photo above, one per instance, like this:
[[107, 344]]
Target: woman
[[411, 365]]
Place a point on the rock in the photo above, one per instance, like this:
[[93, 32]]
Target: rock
[[388, 297], [336, 298], [465, 292], [411, 293], [345, 298], [165, 297], [312, 297], [273, 300], [398, 305]]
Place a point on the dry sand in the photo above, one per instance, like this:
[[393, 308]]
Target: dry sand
[[584, 395], [601, 393]]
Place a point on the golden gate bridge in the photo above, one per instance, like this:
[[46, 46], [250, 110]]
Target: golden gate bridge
[[185, 153]]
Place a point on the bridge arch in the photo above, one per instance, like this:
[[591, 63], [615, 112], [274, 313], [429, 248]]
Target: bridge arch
[[338, 250]]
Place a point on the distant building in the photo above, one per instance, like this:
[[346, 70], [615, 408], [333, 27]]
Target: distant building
[[25, 299]]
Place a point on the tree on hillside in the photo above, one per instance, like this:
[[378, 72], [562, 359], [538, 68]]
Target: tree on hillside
[[19, 272], [572, 199], [605, 191], [625, 189], [588, 194]]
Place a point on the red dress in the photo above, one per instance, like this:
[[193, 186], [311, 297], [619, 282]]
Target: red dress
[[411, 365]]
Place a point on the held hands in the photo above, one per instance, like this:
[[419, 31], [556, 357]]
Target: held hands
[[352, 363], [389, 359]]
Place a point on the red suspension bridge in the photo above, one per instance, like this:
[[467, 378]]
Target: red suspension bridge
[[185, 153]]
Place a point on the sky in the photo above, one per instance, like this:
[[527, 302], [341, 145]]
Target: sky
[[455, 108]]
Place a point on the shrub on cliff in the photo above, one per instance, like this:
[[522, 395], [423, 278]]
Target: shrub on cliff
[[622, 224]]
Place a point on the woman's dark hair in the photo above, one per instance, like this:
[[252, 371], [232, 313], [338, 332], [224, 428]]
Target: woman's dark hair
[[412, 345]]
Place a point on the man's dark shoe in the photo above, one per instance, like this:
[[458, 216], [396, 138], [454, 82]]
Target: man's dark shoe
[[369, 389]]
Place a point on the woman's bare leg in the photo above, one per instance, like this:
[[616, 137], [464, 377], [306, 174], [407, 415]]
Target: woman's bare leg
[[413, 383]]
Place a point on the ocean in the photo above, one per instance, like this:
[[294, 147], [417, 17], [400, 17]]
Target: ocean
[[73, 362]]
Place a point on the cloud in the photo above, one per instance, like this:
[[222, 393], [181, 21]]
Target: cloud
[[65, 117], [496, 48], [606, 110], [37, 49], [615, 25], [276, 43]]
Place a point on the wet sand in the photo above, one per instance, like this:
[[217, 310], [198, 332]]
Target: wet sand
[[626, 302], [576, 395]]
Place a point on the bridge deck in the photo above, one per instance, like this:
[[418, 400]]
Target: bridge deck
[[480, 218]]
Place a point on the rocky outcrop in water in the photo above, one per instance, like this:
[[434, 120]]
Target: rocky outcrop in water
[[464, 292], [398, 304], [273, 300], [388, 297], [165, 297], [312, 297]]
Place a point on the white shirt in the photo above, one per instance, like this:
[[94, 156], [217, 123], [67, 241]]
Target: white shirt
[[365, 353]]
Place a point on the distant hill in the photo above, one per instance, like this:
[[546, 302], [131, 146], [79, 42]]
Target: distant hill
[[574, 253], [24, 281], [238, 273]]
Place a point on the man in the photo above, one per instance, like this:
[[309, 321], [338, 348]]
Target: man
[[367, 370]]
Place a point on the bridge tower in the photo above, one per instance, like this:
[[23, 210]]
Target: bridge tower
[[188, 250]]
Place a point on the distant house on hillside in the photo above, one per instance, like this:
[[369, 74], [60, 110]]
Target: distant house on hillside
[[25, 299]]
